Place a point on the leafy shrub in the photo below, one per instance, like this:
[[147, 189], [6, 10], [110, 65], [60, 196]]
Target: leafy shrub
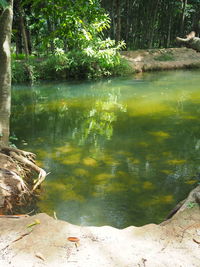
[[19, 72], [52, 68], [122, 69], [18, 56], [97, 60], [101, 59], [23, 71]]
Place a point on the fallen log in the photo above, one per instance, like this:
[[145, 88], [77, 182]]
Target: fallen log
[[190, 41]]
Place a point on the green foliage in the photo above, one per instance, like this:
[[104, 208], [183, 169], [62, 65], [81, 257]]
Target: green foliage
[[74, 25], [18, 56], [19, 73], [67, 25], [53, 67], [97, 60], [191, 205], [71, 42], [101, 59], [122, 69], [22, 57], [3, 3], [24, 71]]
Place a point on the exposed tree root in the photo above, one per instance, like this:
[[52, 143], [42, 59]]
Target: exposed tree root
[[30, 164], [17, 167], [192, 200]]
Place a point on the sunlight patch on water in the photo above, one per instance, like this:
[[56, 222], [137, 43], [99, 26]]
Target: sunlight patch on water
[[176, 161], [89, 162], [160, 134]]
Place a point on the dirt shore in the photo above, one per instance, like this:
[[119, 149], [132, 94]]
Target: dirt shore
[[162, 59], [40, 240]]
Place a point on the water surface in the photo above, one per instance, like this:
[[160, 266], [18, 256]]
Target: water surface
[[120, 151]]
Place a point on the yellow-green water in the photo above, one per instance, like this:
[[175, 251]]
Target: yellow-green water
[[120, 152]]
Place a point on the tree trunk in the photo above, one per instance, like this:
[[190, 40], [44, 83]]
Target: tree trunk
[[118, 20], [18, 41], [127, 22], [183, 16], [18, 36], [152, 23], [24, 34], [28, 34], [50, 29], [169, 31], [5, 72]]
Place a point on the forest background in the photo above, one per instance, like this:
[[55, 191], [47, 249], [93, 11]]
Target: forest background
[[81, 38]]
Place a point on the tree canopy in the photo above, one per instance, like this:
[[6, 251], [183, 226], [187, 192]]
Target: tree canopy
[[67, 24]]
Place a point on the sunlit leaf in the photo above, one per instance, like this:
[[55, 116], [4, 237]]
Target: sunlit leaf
[[4, 3]]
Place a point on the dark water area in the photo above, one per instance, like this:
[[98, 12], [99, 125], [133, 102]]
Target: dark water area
[[120, 151]]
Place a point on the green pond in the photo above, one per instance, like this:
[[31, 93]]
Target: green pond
[[120, 151]]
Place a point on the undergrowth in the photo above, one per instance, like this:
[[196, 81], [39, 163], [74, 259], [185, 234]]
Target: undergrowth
[[101, 60]]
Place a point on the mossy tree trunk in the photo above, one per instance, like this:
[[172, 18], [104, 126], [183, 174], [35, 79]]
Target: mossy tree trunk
[[5, 72]]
